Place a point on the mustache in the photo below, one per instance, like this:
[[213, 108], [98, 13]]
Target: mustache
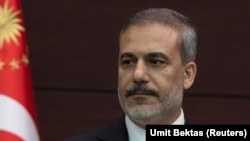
[[141, 88]]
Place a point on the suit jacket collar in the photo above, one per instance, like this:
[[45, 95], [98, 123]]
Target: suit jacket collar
[[117, 131], [187, 121]]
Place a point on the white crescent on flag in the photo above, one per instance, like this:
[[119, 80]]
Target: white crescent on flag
[[15, 117]]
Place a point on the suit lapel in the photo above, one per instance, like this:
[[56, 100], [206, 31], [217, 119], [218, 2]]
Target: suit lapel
[[187, 121], [117, 131]]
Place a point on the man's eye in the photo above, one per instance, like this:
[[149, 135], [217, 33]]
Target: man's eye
[[127, 62], [157, 62]]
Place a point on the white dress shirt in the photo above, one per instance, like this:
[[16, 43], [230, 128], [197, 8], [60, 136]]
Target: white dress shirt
[[136, 133]]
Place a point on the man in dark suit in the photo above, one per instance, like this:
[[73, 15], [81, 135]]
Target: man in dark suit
[[156, 64]]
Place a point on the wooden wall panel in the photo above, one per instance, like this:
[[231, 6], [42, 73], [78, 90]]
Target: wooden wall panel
[[73, 48], [64, 114], [217, 109], [73, 44]]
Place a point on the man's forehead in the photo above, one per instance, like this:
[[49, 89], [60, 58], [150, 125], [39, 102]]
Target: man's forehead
[[149, 32], [149, 26]]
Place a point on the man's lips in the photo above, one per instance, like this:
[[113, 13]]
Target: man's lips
[[140, 93]]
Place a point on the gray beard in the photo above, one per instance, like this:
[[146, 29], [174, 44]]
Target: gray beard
[[149, 114]]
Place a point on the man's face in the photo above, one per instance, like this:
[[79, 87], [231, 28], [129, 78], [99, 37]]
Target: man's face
[[150, 72]]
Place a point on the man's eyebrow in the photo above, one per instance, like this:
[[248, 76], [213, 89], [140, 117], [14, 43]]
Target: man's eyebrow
[[127, 54], [158, 55]]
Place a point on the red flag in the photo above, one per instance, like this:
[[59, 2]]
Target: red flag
[[18, 120]]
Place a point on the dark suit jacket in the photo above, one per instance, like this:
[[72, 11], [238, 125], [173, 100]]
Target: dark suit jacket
[[116, 131]]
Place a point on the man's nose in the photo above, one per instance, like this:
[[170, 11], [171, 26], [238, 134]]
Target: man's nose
[[141, 73]]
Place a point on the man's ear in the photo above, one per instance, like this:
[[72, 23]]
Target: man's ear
[[190, 70]]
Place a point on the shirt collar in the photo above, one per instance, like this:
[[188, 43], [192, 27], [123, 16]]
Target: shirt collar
[[180, 120], [136, 133]]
